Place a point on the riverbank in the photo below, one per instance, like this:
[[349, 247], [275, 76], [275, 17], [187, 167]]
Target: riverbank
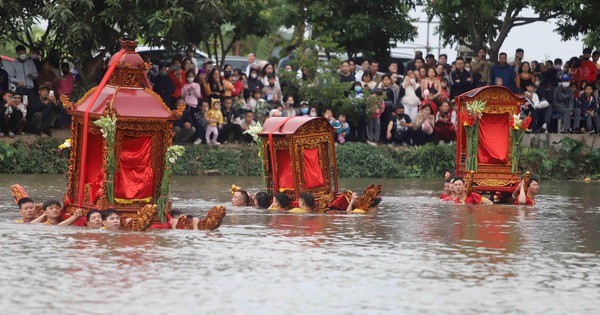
[[565, 160]]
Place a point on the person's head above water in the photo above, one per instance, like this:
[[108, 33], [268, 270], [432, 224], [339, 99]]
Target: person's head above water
[[240, 199], [306, 201], [94, 219], [261, 200], [281, 201], [111, 219], [26, 209]]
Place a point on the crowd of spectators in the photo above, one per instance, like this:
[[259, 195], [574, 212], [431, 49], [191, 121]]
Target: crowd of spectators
[[408, 104]]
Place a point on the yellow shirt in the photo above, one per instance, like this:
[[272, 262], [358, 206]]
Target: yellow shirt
[[19, 221], [297, 210], [214, 114], [48, 223]]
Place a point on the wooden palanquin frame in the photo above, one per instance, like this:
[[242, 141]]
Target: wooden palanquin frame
[[156, 123], [295, 134], [489, 177]]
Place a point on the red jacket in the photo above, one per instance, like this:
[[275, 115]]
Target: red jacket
[[587, 71]]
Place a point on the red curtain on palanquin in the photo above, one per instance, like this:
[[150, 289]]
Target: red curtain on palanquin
[[313, 175], [134, 178], [494, 139], [284, 170], [93, 165]]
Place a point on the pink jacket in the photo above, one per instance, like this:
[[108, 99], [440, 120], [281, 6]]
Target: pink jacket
[[191, 93]]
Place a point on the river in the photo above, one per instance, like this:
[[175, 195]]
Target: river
[[415, 255]]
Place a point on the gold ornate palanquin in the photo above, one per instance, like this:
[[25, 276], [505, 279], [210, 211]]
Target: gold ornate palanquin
[[489, 177], [286, 144], [140, 112]]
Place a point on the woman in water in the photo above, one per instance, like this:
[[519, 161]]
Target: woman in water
[[306, 203], [524, 196]]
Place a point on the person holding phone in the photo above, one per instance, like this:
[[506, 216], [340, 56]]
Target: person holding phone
[[42, 111]]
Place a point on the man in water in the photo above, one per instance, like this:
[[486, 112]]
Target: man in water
[[524, 196], [472, 198], [111, 220], [240, 199], [261, 200], [93, 219], [372, 207], [51, 215], [306, 203], [26, 210], [281, 202]]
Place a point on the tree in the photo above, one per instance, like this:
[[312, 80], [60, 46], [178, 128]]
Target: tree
[[481, 23], [370, 27], [579, 17]]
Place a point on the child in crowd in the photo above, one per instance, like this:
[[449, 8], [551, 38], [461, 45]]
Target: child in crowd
[[200, 122], [499, 81], [444, 92], [343, 130], [245, 124], [589, 106], [313, 112], [304, 109], [214, 119], [191, 91], [329, 115]]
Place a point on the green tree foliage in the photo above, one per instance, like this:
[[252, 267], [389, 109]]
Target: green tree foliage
[[370, 27], [580, 17], [482, 23]]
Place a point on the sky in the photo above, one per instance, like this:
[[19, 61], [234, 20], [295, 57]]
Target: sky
[[538, 40]]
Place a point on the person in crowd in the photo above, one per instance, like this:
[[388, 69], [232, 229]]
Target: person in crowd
[[11, 116], [272, 92], [519, 54], [230, 129], [281, 202], [46, 76], [184, 127], [430, 82], [367, 83], [178, 77], [93, 219], [214, 120], [481, 67], [345, 74], [551, 74], [399, 129], [365, 68], [26, 210], [564, 104], [251, 58], [200, 122], [343, 130], [423, 126], [543, 113], [291, 54], [524, 196], [23, 72], [245, 124], [266, 71], [288, 109], [306, 203], [66, 83], [589, 106], [461, 80], [524, 76], [228, 87], [51, 215], [240, 199], [375, 106], [412, 94], [42, 111], [445, 123], [188, 65], [163, 85], [444, 92], [191, 92], [238, 84], [4, 79], [261, 200], [472, 198], [587, 71], [393, 67], [215, 84], [375, 76], [504, 71], [443, 60], [410, 66], [391, 98], [352, 67], [254, 82]]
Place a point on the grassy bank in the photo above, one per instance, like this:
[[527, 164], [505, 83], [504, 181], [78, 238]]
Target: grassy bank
[[571, 160]]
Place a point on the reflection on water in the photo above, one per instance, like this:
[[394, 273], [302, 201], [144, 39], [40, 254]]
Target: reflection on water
[[414, 256]]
